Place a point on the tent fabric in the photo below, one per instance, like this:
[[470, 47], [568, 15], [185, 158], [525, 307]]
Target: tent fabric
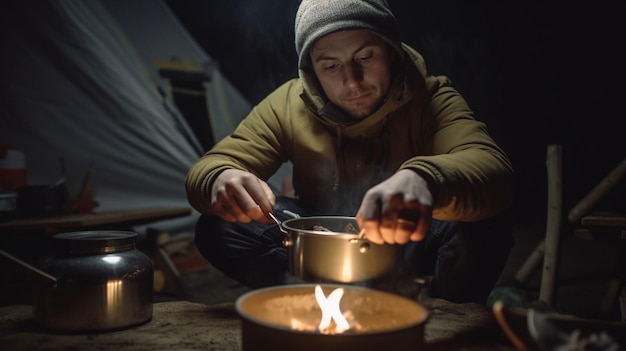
[[79, 85]]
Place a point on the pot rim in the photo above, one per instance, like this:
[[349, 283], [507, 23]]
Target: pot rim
[[338, 234]]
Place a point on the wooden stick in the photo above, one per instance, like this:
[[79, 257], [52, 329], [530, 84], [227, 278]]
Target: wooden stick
[[553, 224], [532, 263], [583, 207]]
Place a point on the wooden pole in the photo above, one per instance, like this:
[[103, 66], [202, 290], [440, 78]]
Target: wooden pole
[[532, 263], [553, 224], [583, 207]]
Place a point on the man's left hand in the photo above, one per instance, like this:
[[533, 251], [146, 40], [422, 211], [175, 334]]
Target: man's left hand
[[397, 210]]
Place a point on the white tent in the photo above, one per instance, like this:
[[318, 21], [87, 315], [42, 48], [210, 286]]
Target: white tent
[[80, 83]]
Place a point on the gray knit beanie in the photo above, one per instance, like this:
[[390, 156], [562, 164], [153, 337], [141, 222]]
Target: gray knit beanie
[[317, 18]]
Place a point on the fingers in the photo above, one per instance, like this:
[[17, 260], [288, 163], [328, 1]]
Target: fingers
[[222, 207], [240, 196], [397, 210], [372, 232], [394, 219], [394, 225], [399, 232], [421, 229], [259, 203]]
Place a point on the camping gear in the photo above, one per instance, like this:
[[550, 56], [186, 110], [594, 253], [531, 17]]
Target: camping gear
[[138, 138], [338, 253], [94, 280]]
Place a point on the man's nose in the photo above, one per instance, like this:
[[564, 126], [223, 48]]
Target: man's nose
[[353, 74]]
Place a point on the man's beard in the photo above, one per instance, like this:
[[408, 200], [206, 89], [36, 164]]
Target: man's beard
[[360, 111]]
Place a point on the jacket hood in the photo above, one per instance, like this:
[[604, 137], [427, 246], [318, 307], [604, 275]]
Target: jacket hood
[[408, 73]]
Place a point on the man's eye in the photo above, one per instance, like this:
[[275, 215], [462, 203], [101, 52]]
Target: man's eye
[[331, 67], [364, 58]]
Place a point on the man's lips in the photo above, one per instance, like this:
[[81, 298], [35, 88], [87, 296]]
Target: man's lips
[[358, 97]]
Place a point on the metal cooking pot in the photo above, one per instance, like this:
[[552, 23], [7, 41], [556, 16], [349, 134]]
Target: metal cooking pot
[[95, 280], [335, 253]]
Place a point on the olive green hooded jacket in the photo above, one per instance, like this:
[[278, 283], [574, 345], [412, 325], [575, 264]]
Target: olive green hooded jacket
[[424, 124]]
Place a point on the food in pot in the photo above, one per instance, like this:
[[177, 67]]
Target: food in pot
[[348, 229], [351, 229]]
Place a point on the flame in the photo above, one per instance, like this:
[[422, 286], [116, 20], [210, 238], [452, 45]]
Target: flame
[[331, 311]]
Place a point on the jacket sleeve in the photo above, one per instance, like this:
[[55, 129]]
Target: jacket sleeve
[[253, 146], [470, 174]]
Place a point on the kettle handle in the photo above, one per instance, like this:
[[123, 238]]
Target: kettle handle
[[32, 268]]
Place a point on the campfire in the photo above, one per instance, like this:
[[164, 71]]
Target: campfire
[[329, 317], [331, 312]]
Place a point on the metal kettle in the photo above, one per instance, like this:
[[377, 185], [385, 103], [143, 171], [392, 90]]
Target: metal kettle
[[94, 280]]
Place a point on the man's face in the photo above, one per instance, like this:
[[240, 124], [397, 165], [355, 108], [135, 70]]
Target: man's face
[[354, 69]]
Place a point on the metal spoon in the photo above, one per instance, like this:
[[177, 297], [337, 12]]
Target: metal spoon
[[278, 222]]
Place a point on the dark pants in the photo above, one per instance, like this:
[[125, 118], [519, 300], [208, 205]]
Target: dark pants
[[464, 259]]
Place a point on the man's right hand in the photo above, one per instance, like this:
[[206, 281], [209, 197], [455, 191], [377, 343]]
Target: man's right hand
[[240, 196]]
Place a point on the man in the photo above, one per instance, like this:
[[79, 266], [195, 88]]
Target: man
[[370, 134]]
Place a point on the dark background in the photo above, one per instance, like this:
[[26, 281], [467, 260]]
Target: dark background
[[537, 73]]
